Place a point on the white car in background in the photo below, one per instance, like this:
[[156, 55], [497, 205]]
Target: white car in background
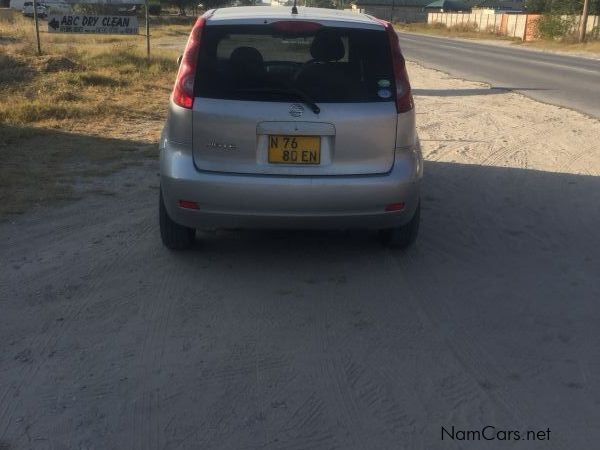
[[42, 9]]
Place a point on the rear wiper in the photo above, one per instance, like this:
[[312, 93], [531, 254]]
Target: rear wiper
[[293, 91]]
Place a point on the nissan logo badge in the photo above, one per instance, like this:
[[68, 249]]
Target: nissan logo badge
[[296, 110]]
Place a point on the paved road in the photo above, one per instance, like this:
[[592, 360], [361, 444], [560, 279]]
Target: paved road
[[561, 80]]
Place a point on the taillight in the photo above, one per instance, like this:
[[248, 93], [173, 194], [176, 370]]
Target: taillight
[[187, 204], [295, 27], [394, 207], [404, 99], [183, 91]]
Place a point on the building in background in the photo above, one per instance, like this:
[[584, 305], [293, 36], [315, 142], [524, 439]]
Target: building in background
[[407, 11], [498, 5], [17, 4], [404, 11], [447, 6]]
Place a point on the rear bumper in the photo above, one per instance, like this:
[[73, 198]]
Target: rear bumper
[[267, 201]]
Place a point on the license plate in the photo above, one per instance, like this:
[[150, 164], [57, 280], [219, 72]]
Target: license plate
[[294, 149]]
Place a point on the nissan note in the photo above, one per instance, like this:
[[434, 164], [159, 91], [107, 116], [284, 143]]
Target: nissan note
[[286, 118]]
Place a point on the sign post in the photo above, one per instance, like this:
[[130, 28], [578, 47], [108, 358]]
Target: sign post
[[37, 27], [147, 31]]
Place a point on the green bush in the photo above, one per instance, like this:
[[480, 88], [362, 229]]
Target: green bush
[[552, 26]]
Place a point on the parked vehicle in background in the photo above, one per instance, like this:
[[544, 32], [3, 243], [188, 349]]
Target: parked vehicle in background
[[42, 9], [290, 120], [59, 8]]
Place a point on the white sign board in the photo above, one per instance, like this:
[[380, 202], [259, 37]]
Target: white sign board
[[90, 23], [103, 2]]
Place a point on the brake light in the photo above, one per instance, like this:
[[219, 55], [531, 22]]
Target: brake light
[[183, 91], [187, 204], [296, 27], [393, 207], [404, 98]]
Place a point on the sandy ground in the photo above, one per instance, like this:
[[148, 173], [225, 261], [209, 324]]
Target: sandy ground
[[323, 340]]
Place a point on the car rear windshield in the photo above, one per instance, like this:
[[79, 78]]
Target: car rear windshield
[[263, 63]]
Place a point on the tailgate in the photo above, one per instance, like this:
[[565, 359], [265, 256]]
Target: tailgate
[[234, 136]]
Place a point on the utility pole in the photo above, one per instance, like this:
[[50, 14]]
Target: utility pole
[[583, 21], [37, 27]]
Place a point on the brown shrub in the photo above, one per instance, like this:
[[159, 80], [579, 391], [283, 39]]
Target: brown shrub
[[51, 64], [466, 27]]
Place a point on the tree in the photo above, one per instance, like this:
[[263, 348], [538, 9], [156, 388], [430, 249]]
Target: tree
[[555, 6], [536, 6], [181, 5], [321, 4], [566, 6], [211, 4]]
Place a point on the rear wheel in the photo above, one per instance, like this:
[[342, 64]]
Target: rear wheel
[[403, 236], [173, 235]]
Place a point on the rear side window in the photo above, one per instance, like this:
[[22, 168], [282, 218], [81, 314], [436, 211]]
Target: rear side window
[[328, 64]]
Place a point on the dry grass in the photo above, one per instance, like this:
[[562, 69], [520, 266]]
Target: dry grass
[[465, 31], [89, 105], [591, 47]]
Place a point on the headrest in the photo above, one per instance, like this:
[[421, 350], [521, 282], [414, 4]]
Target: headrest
[[247, 57], [327, 46]]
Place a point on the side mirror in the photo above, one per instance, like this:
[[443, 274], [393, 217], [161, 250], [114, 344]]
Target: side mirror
[[179, 58]]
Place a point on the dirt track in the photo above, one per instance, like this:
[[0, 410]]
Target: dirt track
[[323, 340]]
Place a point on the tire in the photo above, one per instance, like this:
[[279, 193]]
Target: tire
[[403, 236], [173, 235]]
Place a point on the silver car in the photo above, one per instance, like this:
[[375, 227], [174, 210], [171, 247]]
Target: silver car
[[290, 119]]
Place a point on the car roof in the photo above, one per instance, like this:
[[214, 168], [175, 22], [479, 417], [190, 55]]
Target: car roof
[[258, 14]]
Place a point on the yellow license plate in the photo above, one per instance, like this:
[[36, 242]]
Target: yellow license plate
[[294, 149]]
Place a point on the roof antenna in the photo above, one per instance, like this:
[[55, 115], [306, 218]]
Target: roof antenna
[[294, 8]]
